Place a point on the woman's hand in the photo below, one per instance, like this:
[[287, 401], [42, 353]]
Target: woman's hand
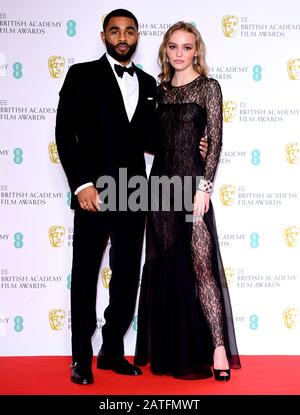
[[201, 203]]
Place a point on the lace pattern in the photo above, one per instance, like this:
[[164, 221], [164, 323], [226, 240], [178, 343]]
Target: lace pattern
[[209, 294], [203, 96]]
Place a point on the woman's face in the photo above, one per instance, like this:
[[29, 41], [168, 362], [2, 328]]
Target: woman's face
[[181, 49]]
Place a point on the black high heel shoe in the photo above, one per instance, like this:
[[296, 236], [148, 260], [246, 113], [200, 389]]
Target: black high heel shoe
[[218, 376]]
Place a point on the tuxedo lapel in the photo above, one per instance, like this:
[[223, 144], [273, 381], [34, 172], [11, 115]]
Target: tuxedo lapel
[[141, 95], [110, 85]]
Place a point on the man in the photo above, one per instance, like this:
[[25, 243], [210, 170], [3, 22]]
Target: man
[[104, 122]]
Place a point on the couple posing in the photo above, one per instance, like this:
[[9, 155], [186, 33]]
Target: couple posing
[[109, 113]]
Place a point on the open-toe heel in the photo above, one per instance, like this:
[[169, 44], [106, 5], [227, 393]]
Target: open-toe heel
[[218, 373]]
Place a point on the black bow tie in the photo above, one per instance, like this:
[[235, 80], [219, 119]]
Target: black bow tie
[[121, 69]]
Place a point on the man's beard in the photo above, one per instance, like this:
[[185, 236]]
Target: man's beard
[[111, 50]]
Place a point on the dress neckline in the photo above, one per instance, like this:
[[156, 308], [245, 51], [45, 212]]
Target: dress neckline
[[188, 83]]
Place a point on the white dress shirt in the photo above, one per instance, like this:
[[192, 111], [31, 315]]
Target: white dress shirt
[[129, 86]]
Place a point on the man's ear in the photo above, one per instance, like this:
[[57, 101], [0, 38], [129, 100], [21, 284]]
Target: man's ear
[[102, 35]]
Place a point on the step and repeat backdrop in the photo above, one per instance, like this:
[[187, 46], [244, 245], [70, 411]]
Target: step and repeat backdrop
[[253, 51]]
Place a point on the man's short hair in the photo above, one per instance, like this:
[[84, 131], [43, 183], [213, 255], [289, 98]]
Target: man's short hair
[[119, 13]]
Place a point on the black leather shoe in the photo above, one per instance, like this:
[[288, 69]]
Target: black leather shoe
[[119, 365], [81, 374]]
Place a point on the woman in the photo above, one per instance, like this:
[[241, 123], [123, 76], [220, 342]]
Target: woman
[[185, 323]]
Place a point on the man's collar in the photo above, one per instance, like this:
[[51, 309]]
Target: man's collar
[[113, 61]]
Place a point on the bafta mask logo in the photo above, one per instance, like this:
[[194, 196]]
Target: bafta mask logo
[[229, 110], [57, 235], [56, 66], [230, 25], [227, 193], [229, 273], [292, 152], [291, 235], [106, 276], [53, 153], [57, 318], [290, 315], [293, 68]]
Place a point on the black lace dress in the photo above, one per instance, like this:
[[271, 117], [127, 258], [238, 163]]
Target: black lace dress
[[184, 306]]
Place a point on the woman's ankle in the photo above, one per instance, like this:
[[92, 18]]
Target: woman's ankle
[[220, 358]]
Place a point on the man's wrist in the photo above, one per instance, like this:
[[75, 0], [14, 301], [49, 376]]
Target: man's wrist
[[83, 186]]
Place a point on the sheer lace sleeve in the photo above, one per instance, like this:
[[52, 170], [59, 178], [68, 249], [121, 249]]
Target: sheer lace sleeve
[[214, 128]]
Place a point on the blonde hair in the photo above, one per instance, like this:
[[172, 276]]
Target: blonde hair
[[199, 63]]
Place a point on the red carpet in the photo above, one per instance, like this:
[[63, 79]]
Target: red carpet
[[39, 385], [44, 375]]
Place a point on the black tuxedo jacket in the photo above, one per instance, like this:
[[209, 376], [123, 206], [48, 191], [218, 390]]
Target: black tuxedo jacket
[[93, 134]]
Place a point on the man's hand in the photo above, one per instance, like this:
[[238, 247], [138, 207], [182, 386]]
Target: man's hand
[[203, 147], [88, 199]]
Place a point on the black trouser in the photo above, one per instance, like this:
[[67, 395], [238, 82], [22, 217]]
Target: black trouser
[[91, 233]]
